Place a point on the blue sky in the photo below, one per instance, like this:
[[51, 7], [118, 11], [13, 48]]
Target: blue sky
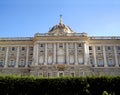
[[24, 18]]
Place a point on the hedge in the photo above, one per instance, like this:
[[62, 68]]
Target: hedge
[[10, 85]]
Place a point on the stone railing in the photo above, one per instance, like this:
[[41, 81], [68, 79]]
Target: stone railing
[[104, 37], [64, 34], [16, 38]]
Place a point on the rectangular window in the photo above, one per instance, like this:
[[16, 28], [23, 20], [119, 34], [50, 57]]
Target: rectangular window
[[80, 45], [41, 45], [109, 48], [23, 48], [31, 48], [60, 45], [3, 48], [91, 61], [98, 48], [90, 47], [12, 48], [118, 47], [49, 75]]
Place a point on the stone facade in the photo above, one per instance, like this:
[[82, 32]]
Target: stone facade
[[60, 52]]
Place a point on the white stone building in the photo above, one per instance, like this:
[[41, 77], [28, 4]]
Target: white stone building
[[60, 52]]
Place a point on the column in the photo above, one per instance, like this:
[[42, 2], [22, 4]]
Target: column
[[76, 58], [17, 59], [67, 54], [27, 53], [54, 56], [94, 52], [6, 58], [104, 54], [86, 54], [45, 54], [116, 58]]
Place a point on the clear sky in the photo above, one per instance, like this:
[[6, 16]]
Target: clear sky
[[24, 18]]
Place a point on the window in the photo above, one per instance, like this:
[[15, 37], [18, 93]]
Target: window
[[91, 61], [23, 48], [100, 62], [90, 47], [40, 74], [13, 48], [109, 48], [29, 62], [60, 45], [41, 45], [61, 74], [1, 63], [118, 48], [110, 62], [41, 51], [72, 74], [11, 63], [22, 63], [3, 48], [31, 48], [49, 75], [90, 54], [98, 48], [79, 45]]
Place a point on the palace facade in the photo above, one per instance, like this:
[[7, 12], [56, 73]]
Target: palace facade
[[60, 52]]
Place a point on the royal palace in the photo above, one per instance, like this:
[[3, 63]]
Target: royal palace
[[60, 52]]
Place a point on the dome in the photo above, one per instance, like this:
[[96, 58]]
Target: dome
[[60, 29]]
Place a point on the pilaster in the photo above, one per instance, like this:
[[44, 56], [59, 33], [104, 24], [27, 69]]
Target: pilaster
[[76, 58], [27, 52], [116, 58], [6, 58], [94, 52], [17, 58], [104, 54]]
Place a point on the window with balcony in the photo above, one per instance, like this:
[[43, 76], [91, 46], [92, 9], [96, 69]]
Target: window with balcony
[[1, 62], [110, 62], [11, 63], [22, 63], [100, 63]]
